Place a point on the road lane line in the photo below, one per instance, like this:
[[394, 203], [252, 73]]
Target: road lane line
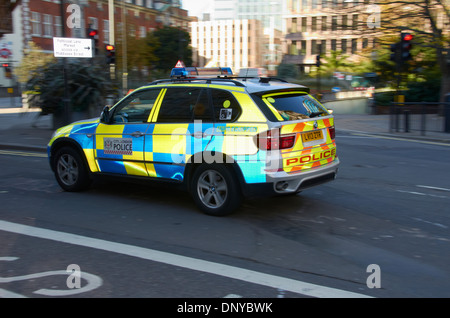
[[404, 139], [228, 271], [22, 154], [424, 194], [433, 188], [9, 294]]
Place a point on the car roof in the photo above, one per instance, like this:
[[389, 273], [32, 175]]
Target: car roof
[[251, 84]]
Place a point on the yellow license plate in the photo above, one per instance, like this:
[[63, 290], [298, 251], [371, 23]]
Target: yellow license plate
[[312, 136]]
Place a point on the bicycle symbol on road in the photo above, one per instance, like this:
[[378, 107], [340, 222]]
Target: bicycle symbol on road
[[73, 281]]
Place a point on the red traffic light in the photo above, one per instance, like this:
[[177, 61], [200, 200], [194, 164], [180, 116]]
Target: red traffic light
[[93, 32], [110, 47], [407, 36], [5, 65]]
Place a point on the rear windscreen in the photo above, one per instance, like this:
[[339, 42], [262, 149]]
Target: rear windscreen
[[294, 106]]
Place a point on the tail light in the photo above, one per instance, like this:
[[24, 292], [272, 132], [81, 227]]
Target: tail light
[[332, 131], [271, 140]]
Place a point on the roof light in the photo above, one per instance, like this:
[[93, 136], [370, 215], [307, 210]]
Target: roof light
[[182, 71]]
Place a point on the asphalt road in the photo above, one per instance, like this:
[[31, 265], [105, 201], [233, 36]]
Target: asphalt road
[[388, 207]]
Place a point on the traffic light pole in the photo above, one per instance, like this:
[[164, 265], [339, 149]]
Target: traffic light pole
[[66, 98], [112, 39]]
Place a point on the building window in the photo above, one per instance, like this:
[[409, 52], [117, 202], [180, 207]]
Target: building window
[[314, 48], [142, 31], [334, 23], [324, 23], [323, 46], [106, 31], [48, 25], [294, 25], [293, 48], [304, 4], [304, 24], [333, 45], [344, 46], [36, 24], [58, 26], [314, 24], [355, 22], [354, 46], [303, 49], [344, 22], [365, 43], [93, 23]]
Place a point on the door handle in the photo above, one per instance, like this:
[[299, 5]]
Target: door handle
[[200, 134], [137, 134]]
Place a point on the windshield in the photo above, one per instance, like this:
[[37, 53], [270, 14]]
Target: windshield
[[294, 106]]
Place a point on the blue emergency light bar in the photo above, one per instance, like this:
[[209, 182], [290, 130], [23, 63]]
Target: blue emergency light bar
[[200, 71]]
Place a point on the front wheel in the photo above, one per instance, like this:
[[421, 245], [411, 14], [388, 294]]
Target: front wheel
[[70, 170], [215, 190]]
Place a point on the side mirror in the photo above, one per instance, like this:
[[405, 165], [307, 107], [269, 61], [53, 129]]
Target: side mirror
[[104, 117]]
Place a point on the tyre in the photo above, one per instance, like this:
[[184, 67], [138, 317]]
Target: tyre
[[215, 190], [70, 170]]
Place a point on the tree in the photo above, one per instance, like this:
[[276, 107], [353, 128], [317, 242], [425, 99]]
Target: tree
[[140, 54], [174, 46], [427, 20], [335, 62], [88, 86], [33, 60]]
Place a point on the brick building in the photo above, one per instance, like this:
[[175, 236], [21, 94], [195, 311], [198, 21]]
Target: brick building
[[42, 20]]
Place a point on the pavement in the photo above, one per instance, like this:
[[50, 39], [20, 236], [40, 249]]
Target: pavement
[[23, 129]]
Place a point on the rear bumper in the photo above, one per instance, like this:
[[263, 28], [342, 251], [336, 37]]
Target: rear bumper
[[284, 183]]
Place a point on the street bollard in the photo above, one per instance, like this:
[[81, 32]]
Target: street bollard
[[406, 113], [447, 113]]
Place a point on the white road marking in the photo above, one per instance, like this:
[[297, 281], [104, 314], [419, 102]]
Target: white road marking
[[94, 282], [404, 139], [23, 154], [432, 223], [424, 194], [228, 271], [8, 258], [433, 188], [8, 294]]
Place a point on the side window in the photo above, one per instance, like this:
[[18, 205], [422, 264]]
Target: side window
[[226, 107], [136, 108], [184, 104]]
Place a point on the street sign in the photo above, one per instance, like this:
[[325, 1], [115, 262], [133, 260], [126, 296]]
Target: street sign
[[5, 53], [73, 47]]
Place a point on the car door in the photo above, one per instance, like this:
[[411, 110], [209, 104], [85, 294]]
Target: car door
[[119, 144], [182, 127]]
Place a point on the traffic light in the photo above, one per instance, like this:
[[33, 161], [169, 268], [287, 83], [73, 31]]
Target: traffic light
[[395, 49], [93, 35], [318, 62], [110, 54], [406, 46], [7, 68]]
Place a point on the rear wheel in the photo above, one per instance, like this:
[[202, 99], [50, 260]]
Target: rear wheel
[[70, 170], [215, 190]]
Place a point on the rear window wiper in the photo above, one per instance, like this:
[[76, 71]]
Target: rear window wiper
[[315, 114]]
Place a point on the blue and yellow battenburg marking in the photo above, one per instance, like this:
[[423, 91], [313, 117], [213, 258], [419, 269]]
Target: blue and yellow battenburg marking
[[303, 157], [163, 150]]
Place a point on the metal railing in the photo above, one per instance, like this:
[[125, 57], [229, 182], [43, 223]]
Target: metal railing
[[419, 116]]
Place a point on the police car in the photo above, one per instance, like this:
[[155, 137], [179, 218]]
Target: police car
[[221, 137]]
